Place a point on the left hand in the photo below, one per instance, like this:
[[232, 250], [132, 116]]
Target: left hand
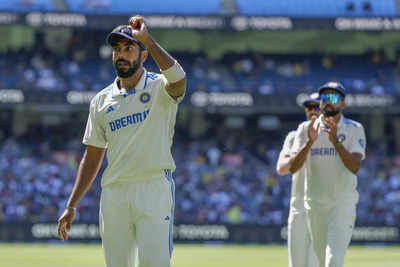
[[331, 130], [139, 29]]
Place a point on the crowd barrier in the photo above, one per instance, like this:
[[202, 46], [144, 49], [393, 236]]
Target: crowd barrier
[[190, 233]]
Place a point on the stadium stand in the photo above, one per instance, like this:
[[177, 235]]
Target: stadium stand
[[264, 74], [315, 8]]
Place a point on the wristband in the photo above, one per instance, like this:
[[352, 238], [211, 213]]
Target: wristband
[[175, 73]]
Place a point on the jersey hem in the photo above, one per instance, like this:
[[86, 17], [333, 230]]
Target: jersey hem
[[135, 178]]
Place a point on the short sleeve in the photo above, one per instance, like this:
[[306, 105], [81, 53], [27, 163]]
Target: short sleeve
[[94, 132], [165, 95], [300, 138], [358, 141], [287, 145]]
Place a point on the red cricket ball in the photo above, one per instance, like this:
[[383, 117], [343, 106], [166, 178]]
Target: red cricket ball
[[134, 24]]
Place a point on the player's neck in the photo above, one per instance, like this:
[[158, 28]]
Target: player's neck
[[130, 82]]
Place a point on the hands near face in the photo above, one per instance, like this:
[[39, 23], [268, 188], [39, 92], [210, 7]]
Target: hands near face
[[331, 129], [312, 131]]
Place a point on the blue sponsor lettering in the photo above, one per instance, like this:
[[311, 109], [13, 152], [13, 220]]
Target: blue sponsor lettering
[[128, 120], [145, 113], [137, 117], [118, 123], [112, 126], [123, 122], [323, 151]]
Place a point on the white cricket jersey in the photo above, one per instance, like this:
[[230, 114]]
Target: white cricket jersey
[[297, 191], [136, 128], [328, 181]]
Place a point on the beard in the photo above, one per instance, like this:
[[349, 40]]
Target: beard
[[331, 112], [133, 67]]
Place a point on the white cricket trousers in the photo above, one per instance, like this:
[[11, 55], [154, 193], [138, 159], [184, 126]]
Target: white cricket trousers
[[301, 251], [331, 230], [136, 220]]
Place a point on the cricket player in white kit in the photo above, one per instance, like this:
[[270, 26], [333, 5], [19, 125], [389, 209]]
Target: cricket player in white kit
[[331, 148], [301, 252], [133, 120]]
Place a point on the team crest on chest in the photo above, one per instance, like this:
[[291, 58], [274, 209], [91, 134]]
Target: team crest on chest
[[144, 97], [341, 138]]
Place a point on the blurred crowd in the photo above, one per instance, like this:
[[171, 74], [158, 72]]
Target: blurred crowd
[[86, 66], [226, 177]]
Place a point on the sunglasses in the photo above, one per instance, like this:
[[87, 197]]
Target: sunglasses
[[333, 98], [313, 107]]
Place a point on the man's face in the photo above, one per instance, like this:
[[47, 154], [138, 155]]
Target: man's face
[[331, 103], [126, 58], [312, 109]]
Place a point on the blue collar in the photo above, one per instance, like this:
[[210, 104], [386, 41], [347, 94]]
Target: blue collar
[[139, 86]]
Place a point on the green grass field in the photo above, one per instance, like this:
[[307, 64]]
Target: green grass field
[[34, 255]]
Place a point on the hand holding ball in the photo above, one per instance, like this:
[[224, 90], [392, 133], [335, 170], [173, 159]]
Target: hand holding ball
[[139, 29], [136, 22]]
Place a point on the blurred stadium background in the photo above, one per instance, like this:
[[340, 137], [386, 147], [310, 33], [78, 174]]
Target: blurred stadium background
[[249, 66]]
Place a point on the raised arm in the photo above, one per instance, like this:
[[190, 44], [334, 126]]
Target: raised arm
[[171, 69], [87, 172]]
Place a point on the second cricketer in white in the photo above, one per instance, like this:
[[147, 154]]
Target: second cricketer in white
[[331, 148], [133, 119], [300, 249]]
